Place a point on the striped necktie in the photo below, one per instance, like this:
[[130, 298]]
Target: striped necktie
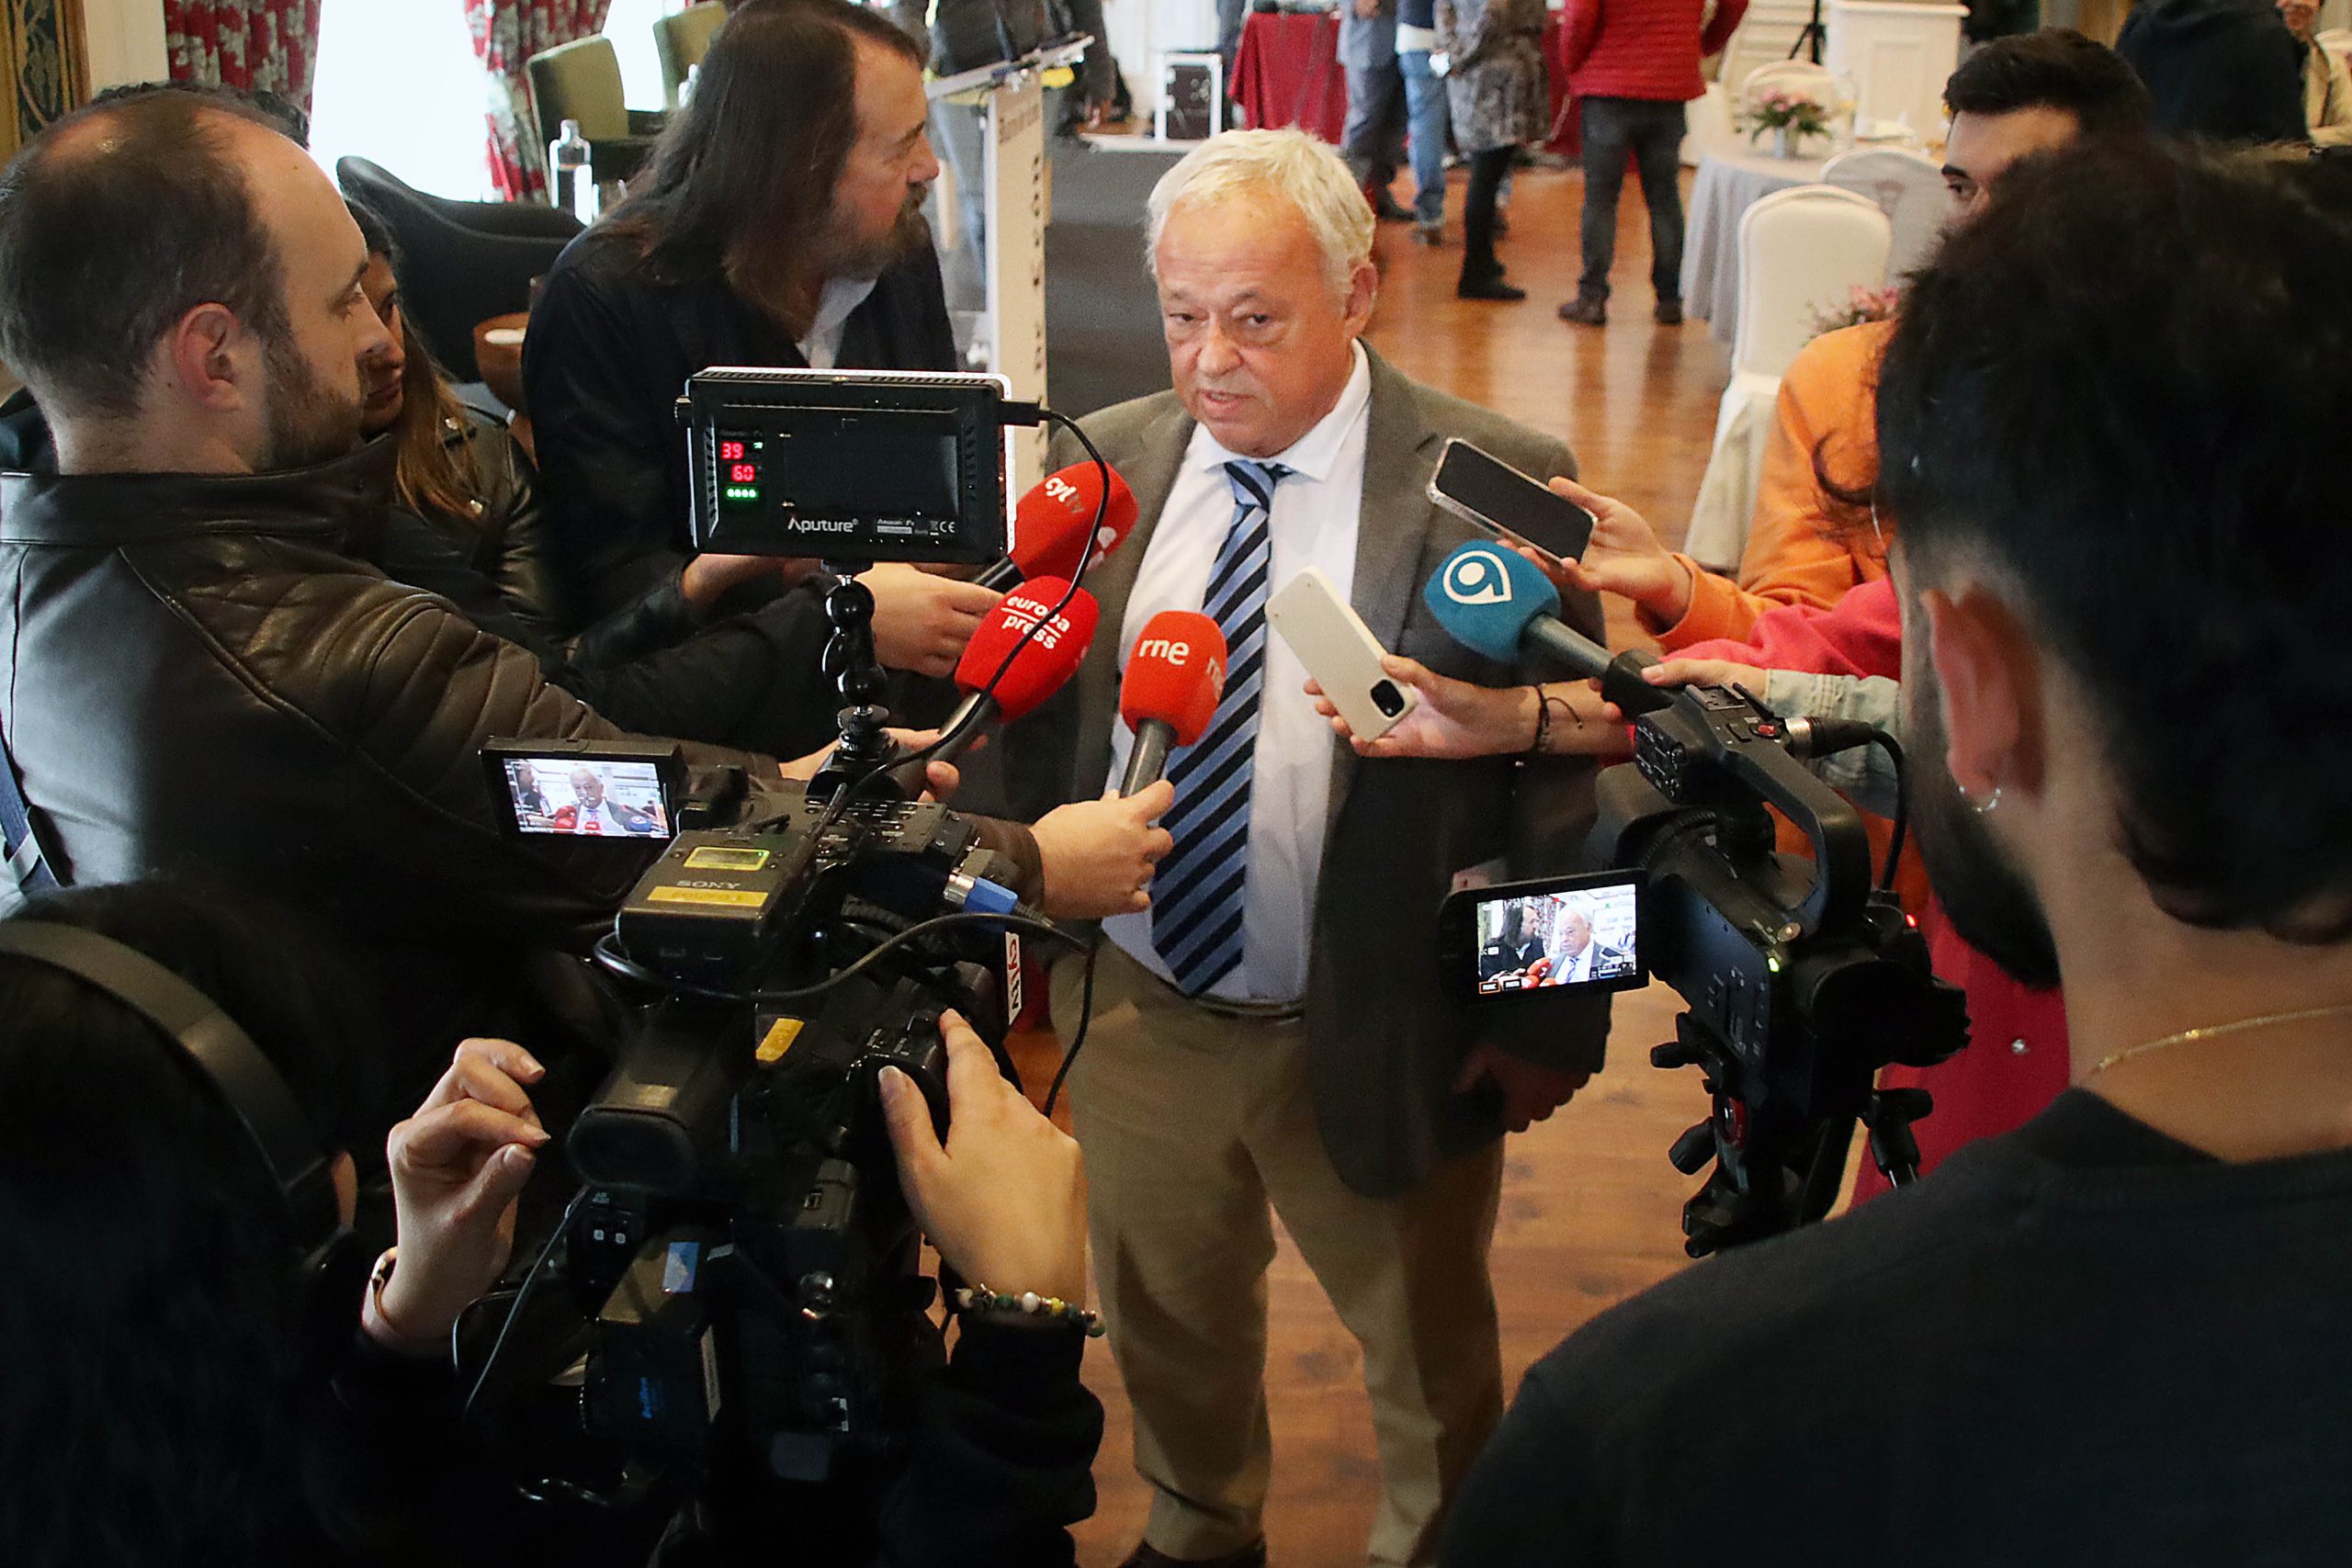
[[1197, 894]]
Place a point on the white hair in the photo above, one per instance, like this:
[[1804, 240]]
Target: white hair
[[1254, 164]]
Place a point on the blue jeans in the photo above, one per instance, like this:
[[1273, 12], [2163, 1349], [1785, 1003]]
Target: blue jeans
[[1425, 116]]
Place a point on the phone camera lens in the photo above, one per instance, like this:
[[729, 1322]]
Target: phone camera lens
[[1387, 698]]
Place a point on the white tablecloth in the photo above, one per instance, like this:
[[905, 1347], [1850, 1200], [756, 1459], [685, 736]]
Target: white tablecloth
[[1730, 180]]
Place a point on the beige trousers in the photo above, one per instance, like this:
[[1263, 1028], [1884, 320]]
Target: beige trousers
[[1194, 1122]]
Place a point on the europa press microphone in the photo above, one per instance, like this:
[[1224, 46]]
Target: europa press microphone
[[1175, 679], [1053, 522], [1042, 664]]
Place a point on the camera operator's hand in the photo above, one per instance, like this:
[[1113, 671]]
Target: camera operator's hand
[[922, 619], [457, 1165], [1456, 719], [1623, 558], [706, 578], [1098, 854], [1005, 1199], [1530, 1090], [1706, 672]]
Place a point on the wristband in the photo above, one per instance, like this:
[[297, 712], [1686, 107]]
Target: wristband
[[979, 1301], [1543, 723], [377, 1324]]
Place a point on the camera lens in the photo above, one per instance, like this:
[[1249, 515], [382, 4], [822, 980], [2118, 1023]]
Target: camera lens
[[1387, 698]]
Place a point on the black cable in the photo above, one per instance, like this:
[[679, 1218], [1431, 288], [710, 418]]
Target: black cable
[[607, 954], [522, 1299], [1085, 558], [1085, 1021]]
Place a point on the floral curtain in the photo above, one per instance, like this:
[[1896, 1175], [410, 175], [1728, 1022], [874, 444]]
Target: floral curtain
[[48, 63], [267, 44], [506, 34]]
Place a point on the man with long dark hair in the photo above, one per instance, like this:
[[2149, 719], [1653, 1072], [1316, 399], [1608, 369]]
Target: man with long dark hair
[[779, 224]]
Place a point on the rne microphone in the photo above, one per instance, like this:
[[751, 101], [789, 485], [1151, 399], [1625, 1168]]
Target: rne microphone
[[1041, 664], [1494, 601], [1053, 523], [1175, 679]]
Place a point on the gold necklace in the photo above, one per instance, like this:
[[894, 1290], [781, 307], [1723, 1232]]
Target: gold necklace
[[2214, 1031]]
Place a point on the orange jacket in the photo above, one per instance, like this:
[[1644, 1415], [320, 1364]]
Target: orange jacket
[[1797, 551]]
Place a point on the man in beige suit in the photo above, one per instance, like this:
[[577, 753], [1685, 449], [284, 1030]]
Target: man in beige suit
[[1272, 1031]]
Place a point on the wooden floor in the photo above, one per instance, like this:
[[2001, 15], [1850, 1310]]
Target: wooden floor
[[1590, 1208]]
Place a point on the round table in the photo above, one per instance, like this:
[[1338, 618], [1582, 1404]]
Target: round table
[[1731, 179]]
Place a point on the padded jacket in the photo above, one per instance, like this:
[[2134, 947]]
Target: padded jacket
[[209, 677]]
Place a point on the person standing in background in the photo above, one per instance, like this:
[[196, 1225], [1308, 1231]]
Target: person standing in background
[[1633, 64], [2327, 88], [2220, 70], [1496, 90], [1425, 116], [1375, 120]]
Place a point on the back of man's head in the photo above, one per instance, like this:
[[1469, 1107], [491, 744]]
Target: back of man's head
[[113, 224], [2120, 397], [2055, 68]]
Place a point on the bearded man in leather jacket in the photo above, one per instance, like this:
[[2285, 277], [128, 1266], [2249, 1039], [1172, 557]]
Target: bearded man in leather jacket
[[206, 672]]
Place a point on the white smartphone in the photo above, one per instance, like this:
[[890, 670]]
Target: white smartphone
[[1340, 652]]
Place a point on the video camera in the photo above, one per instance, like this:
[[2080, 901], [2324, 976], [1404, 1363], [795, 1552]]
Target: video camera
[[740, 1266], [1803, 979]]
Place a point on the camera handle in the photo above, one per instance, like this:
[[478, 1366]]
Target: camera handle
[[850, 659]]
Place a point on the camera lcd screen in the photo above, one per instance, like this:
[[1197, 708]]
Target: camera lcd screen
[[846, 463], [1580, 933], [587, 796]]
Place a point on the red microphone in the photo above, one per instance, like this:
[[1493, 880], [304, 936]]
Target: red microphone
[[1175, 679], [1041, 664], [1054, 521]]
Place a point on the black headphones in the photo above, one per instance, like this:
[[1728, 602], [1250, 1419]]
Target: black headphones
[[328, 1268]]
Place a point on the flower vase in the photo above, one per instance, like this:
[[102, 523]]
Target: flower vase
[[1785, 142]]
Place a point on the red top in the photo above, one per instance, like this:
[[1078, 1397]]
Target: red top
[[2016, 1060], [1644, 48]]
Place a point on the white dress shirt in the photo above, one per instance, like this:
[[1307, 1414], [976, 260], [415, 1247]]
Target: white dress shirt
[[822, 347], [1314, 523]]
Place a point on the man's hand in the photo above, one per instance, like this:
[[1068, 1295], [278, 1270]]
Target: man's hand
[[457, 1165], [706, 579], [1455, 719], [1099, 853], [1625, 558], [922, 620], [1705, 672], [1530, 1090], [1005, 1199]]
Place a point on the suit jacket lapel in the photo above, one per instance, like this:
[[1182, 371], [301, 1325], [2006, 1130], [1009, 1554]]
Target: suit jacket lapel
[[1149, 466], [1392, 529]]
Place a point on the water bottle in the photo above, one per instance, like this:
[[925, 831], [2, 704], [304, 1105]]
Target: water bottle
[[575, 179]]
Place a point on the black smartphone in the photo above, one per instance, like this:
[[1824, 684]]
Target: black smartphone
[[1557, 933], [1495, 498]]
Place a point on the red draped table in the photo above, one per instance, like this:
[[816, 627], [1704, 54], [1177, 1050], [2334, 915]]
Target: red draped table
[[1287, 72]]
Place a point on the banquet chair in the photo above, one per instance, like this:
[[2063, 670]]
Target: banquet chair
[[581, 81], [1909, 187], [1802, 77], [1801, 253], [2337, 41], [682, 40], [463, 262]]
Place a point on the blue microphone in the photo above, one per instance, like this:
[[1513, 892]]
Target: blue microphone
[[1494, 601]]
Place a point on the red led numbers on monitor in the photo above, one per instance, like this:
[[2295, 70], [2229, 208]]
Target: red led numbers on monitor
[[731, 451], [739, 470], [743, 474]]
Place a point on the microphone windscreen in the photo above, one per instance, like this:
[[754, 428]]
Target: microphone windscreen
[[1483, 596], [1175, 674], [1043, 662], [1050, 524]]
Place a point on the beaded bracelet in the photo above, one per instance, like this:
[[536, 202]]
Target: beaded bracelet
[[980, 1299]]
